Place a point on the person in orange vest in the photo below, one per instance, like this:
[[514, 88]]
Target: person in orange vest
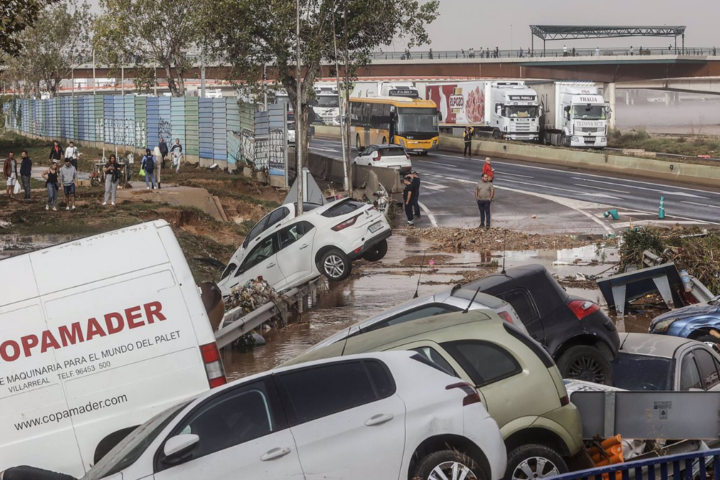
[[488, 170]]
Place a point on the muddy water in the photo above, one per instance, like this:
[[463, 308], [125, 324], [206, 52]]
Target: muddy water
[[375, 287]]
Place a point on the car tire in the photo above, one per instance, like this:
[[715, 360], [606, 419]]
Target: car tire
[[540, 460], [377, 252], [587, 363], [335, 265], [445, 461]]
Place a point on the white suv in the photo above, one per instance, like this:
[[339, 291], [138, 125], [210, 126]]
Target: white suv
[[288, 250], [388, 156], [391, 415]]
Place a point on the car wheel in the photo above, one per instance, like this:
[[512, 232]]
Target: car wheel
[[447, 465], [529, 462], [377, 252], [585, 363], [335, 265]]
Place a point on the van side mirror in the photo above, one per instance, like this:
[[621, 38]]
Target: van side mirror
[[179, 447]]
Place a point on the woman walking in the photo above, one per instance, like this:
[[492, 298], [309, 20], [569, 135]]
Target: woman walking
[[51, 183], [112, 178]]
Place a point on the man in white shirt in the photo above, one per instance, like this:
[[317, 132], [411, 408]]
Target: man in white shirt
[[72, 153]]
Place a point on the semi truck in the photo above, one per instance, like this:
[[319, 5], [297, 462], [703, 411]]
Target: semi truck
[[504, 109], [573, 114]]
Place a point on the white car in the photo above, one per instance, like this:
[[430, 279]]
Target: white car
[[391, 415], [387, 156], [288, 250]]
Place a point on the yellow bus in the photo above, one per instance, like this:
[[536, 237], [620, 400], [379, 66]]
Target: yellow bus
[[409, 122]]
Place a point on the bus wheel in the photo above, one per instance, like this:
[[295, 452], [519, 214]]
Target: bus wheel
[[357, 143], [384, 141]]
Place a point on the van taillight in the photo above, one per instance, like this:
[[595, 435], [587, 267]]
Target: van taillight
[[564, 400], [347, 223], [472, 395], [506, 316], [583, 308], [213, 366]]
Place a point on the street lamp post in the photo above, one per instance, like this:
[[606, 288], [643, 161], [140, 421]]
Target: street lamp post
[[299, 132]]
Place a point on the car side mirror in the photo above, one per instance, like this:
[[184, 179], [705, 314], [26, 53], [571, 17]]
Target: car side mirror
[[179, 447]]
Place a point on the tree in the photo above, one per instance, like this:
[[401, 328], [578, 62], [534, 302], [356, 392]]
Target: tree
[[51, 48], [17, 15], [252, 33], [149, 33]]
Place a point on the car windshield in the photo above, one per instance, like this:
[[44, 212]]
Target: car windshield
[[132, 447], [641, 372], [589, 112], [328, 101], [521, 112], [417, 120]]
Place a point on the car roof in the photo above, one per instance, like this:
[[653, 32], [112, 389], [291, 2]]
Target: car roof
[[515, 273], [651, 344]]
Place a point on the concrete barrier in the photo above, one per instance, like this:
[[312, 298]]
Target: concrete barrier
[[599, 161], [330, 169]]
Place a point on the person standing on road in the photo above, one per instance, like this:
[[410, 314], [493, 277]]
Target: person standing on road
[[163, 151], [148, 164], [26, 172], [56, 152], [68, 175], [176, 151], [113, 172], [10, 171], [488, 170], [71, 152], [407, 199], [484, 193], [415, 182], [467, 138], [51, 183]]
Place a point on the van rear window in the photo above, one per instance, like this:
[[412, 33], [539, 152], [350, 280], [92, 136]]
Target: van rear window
[[342, 208]]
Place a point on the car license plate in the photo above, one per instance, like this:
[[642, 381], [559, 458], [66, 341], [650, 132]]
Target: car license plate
[[375, 227]]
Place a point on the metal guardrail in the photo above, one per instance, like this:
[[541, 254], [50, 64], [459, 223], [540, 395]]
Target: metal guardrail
[[678, 467]]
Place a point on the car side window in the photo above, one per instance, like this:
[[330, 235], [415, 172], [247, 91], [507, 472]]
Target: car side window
[[291, 234], [424, 311], [521, 302], [276, 216], [262, 251], [228, 270], [255, 231], [484, 362], [238, 416], [432, 355], [708, 372], [689, 375], [323, 390]]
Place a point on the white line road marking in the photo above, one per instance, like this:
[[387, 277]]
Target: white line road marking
[[601, 195], [700, 204], [445, 164], [429, 215], [682, 194], [502, 174], [433, 186], [600, 188]]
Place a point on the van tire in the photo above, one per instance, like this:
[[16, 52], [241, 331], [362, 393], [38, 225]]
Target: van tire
[[377, 252], [531, 454], [335, 265], [445, 459], [109, 442], [587, 363]]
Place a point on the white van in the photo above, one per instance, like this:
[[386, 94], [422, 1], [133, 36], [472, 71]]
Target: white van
[[96, 337]]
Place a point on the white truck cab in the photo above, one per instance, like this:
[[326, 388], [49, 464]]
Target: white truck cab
[[514, 111]]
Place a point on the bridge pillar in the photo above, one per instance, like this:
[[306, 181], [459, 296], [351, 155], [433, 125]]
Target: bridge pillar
[[609, 94]]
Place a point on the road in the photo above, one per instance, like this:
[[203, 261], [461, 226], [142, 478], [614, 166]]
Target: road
[[576, 198]]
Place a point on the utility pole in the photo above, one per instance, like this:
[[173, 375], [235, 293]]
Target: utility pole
[[346, 182], [299, 132], [93, 60], [345, 129], [122, 76], [202, 74], [155, 76]]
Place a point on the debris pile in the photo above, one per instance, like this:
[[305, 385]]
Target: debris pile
[[252, 295], [458, 239]]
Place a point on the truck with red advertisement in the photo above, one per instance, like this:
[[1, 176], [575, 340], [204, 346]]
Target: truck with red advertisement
[[97, 336], [505, 109]]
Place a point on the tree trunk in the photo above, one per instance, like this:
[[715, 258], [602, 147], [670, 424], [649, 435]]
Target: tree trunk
[[171, 81], [180, 85]]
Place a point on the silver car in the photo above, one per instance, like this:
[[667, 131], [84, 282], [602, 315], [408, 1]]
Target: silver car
[[455, 299]]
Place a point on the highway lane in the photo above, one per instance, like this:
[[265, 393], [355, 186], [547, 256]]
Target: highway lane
[[634, 198]]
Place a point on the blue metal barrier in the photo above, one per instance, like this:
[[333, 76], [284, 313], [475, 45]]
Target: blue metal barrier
[[659, 468]]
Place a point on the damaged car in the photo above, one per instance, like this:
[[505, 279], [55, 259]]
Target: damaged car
[[700, 322]]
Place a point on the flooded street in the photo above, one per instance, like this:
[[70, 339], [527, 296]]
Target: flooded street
[[376, 287]]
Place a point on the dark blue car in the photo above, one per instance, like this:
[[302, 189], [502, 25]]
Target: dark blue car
[[698, 322]]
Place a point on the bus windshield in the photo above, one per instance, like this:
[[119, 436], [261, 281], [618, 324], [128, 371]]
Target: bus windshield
[[417, 120], [328, 101], [589, 112], [521, 112]]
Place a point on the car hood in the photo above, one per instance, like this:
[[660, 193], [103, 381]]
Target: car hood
[[698, 310]]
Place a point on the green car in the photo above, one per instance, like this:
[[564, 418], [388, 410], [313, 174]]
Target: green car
[[518, 382]]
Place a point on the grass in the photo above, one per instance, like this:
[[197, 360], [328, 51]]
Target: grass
[[640, 139]]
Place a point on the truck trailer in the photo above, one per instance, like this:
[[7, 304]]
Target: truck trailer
[[573, 114], [505, 109]]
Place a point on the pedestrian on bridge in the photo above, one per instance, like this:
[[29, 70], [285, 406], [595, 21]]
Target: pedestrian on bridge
[[484, 193], [467, 138], [564, 50]]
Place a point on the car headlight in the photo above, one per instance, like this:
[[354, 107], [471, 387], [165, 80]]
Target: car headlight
[[602, 139], [663, 326]]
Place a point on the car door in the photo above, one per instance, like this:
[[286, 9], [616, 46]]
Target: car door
[[346, 419], [707, 368], [261, 262], [243, 433], [295, 254]]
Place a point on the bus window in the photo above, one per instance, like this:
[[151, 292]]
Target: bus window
[[385, 123], [365, 119], [355, 109], [376, 114]]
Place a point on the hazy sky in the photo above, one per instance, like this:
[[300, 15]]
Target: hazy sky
[[475, 23]]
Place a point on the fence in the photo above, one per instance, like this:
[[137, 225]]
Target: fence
[[677, 467]]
